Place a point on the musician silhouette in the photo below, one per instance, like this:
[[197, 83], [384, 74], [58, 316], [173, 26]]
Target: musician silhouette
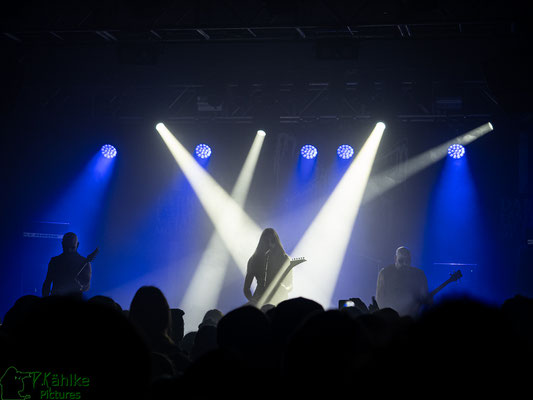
[[267, 260], [64, 274], [401, 286]]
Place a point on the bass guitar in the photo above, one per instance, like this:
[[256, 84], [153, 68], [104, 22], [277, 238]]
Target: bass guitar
[[453, 278]]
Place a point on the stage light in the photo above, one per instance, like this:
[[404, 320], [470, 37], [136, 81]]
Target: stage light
[[203, 151], [345, 151], [261, 133], [325, 241], [396, 175], [309, 151], [108, 151], [204, 290], [456, 151], [236, 229]]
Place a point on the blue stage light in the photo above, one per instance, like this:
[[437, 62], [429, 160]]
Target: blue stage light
[[108, 151], [345, 151], [203, 151], [456, 151], [309, 151]]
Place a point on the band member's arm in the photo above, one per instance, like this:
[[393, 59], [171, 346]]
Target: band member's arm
[[47, 284], [248, 283], [83, 278], [380, 290], [426, 297]]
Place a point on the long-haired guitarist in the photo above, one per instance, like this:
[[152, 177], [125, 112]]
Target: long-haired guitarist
[[68, 273], [401, 286], [268, 259]]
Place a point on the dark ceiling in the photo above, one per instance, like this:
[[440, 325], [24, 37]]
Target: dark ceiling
[[63, 21], [294, 61]]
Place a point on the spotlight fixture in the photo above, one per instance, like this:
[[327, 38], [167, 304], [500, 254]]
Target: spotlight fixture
[[345, 151], [309, 151], [456, 151], [108, 151], [261, 133], [203, 151]]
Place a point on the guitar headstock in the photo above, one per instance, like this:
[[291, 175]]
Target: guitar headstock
[[93, 255], [297, 260], [456, 276]]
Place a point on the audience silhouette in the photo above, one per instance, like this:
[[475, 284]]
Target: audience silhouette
[[292, 349], [150, 314]]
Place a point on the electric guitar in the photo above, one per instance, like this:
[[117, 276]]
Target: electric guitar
[[424, 303], [89, 258], [274, 286]]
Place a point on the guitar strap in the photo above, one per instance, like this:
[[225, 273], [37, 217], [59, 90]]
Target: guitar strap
[[266, 268], [82, 267]]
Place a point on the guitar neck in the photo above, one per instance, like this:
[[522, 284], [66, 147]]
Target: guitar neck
[[442, 286]]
